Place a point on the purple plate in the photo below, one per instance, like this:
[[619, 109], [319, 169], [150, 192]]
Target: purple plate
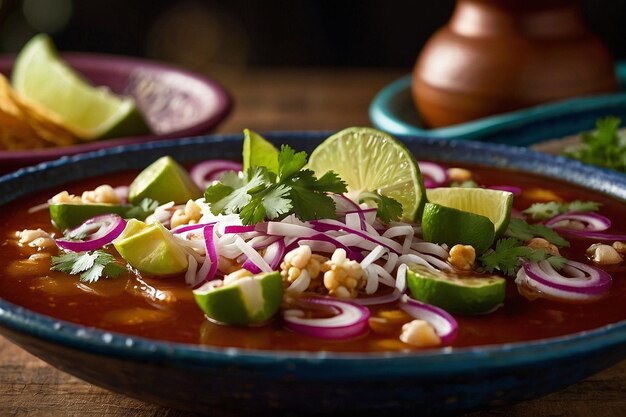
[[175, 102]]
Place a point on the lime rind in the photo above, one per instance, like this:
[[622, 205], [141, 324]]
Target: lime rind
[[370, 160], [493, 204], [164, 180], [68, 215], [247, 301], [456, 293]]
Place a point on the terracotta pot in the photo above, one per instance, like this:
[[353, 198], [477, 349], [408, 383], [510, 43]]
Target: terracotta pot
[[495, 56]]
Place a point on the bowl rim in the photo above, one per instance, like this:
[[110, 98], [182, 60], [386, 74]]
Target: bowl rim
[[103, 342], [223, 99]]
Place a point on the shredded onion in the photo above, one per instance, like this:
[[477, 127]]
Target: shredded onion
[[204, 173], [593, 222], [576, 281], [444, 324], [350, 319], [99, 230]]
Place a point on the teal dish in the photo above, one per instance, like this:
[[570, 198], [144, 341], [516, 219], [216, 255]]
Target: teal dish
[[393, 111], [228, 381]]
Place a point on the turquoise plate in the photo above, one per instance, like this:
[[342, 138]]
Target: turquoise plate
[[392, 110]]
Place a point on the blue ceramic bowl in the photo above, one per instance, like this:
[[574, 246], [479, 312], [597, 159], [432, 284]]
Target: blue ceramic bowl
[[247, 382], [393, 111]]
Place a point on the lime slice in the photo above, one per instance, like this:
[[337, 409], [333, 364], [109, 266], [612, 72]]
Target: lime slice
[[246, 301], [441, 224], [258, 152], [42, 76], [456, 293], [370, 160], [493, 204], [151, 249], [164, 180], [66, 215]]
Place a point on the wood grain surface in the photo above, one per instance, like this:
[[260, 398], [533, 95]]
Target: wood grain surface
[[266, 100]]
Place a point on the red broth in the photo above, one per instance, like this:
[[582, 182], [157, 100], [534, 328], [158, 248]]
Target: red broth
[[164, 309]]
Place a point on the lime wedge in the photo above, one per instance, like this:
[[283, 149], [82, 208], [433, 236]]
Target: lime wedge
[[42, 76], [151, 249], [370, 160], [164, 180], [246, 301], [493, 204], [456, 293], [257, 151], [66, 215], [441, 224]]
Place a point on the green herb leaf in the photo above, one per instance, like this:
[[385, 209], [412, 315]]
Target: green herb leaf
[[604, 147], [264, 195], [91, 266], [387, 209], [143, 209], [510, 252], [523, 231], [544, 211]]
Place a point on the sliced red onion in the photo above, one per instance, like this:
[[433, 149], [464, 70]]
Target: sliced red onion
[[444, 324], [274, 254], [189, 227], [387, 298], [100, 231], [208, 171], [301, 284], [350, 320], [516, 191], [401, 278], [434, 175], [576, 281], [208, 269], [344, 203], [290, 230], [593, 222], [239, 229], [352, 254]]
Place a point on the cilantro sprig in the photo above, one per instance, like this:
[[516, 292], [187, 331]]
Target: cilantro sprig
[[604, 147], [387, 209], [510, 252], [90, 266], [544, 211], [519, 229], [265, 195]]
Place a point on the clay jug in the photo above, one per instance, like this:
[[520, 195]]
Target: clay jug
[[495, 56]]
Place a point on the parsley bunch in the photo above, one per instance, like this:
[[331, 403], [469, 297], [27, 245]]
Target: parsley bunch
[[263, 194], [604, 147]]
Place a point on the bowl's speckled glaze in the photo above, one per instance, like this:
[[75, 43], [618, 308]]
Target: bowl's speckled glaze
[[232, 382]]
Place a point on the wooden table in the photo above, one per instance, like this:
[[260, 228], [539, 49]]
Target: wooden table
[[274, 100]]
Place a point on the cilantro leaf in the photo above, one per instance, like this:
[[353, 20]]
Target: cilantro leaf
[[521, 230], [603, 147], [510, 252], [290, 162], [544, 211], [142, 210], [228, 200], [308, 205], [90, 266], [387, 209]]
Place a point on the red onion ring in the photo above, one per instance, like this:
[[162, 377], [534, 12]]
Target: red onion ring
[[583, 283], [350, 321], [434, 175], [387, 298], [444, 324], [101, 231], [205, 172], [325, 226], [203, 274], [594, 222]]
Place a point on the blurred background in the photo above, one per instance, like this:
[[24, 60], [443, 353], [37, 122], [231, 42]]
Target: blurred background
[[235, 34]]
